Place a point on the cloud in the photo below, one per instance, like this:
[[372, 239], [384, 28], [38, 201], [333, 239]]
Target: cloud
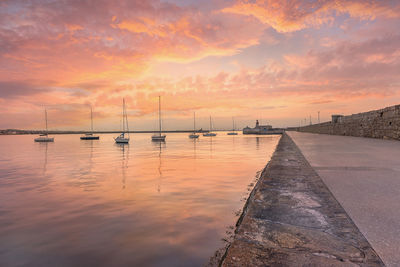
[[70, 54], [13, 89], [79, 41], [294, 15]]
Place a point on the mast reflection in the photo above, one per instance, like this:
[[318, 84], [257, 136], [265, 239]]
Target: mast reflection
[[124, 161]]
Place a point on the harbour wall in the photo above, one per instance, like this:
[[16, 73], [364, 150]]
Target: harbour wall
[[382, 123]]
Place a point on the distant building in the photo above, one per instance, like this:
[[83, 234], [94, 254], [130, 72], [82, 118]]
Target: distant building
[[261, 129], [337, 118]]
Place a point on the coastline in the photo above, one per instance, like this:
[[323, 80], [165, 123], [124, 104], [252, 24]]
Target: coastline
[[292, 219]]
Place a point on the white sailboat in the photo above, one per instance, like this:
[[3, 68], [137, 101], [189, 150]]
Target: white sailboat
[[210, 133], [194, 135], [159, 137], [122, 139], [233, 128], [90, 136], [44, 137]]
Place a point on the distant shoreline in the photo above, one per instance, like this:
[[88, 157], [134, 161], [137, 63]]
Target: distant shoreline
[[25, 132]]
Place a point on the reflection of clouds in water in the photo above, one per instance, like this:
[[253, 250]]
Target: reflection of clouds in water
[[83, 176], [175, 204]]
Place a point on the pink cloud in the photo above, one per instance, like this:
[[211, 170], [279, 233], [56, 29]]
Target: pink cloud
[[288, 15]]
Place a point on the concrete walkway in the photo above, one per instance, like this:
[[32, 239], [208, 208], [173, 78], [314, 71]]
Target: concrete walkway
[[364, 176], [292, 219]]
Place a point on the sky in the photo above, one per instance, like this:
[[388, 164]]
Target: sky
[[281, 62]]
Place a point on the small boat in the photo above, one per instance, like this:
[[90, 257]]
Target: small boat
[[194, 135], [233, 128], [122, 139], [44, 137], [210, 133], [90, 136], [159, 137]]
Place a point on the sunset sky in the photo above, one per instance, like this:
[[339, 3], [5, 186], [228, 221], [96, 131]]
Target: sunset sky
[[277, 61]]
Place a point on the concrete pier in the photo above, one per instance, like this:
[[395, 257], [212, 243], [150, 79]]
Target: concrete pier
[[364, 176], [292, 219]]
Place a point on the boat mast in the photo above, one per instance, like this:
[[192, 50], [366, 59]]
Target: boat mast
[[159, 113], [233, 125], [194, 122], [123, 115], [45, 116], [91, 119], [126, 119], [210, 124]]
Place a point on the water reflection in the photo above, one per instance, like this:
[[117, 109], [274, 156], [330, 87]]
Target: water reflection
[[45, 144], [124, 161], [159, 167], [74, 203], [194, 140], [211, 146], [84, 174]]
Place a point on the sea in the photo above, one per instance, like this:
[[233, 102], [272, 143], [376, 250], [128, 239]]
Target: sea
[[96, 203]]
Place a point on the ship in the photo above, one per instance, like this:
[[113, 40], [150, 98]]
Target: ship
[[262, 129]]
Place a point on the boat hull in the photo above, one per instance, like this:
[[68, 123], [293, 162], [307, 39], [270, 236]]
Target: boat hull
[[232, 134], [158, 138], [193, 136], [90, 137], [210, 134], [263, 132], [121, 140], [44, 139]]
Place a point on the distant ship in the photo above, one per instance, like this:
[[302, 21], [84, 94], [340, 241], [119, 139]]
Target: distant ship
[[262, 129]]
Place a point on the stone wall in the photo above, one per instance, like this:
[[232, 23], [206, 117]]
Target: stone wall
[[382, 123]]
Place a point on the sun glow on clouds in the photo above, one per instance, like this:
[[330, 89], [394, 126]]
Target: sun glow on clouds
[[303, 56]]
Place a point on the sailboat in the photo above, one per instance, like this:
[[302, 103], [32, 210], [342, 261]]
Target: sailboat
[[233, 128], [159, 136], [210, 133], [90, 136], [122, 139], [194, 135], [44, 137]]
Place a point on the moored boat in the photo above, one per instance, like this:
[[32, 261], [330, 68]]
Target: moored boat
[[44, 137], [233, 128], [159, 137], [194, 135], [90, 136], [122, 139], [210, 133]]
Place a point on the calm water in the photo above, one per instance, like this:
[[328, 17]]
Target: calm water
[[95, 203]]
